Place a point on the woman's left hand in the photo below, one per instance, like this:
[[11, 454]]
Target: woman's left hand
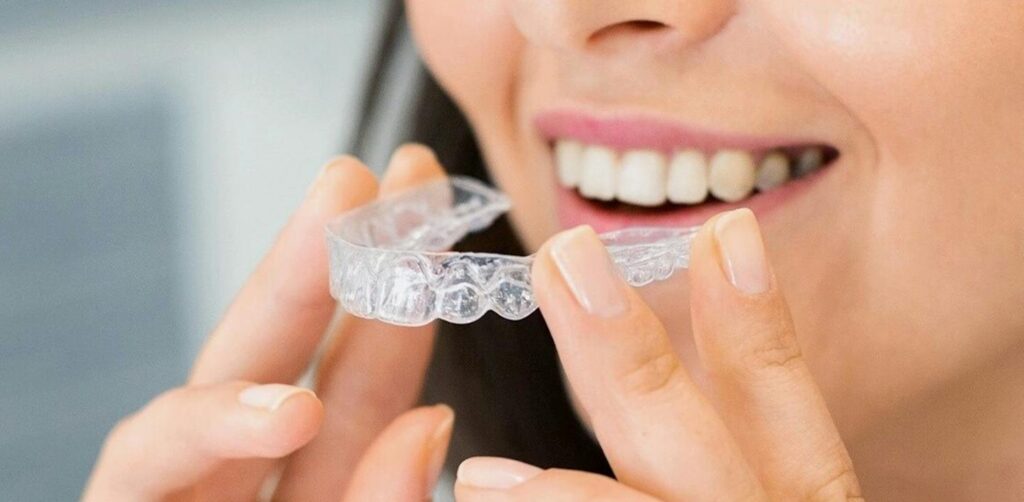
[[762, 433]]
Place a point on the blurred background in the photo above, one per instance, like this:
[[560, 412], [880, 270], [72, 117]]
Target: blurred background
[[149, 151]]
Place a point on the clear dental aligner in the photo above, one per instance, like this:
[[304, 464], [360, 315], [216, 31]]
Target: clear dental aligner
[[388, 262]]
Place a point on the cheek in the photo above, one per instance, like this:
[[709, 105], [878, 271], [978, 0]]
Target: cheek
[[470, 46], [917, 73], [936, 85]]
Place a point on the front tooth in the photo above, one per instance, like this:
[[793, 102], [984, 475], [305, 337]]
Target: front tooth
[[642, 178], [732, 175], [688, 178], [568, 158], [774, 171], [598, 174], [809, 160]]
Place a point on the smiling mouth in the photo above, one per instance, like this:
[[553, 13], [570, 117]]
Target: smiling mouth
[[687, 177], [626, 171]]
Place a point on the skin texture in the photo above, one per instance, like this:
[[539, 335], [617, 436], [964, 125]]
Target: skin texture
[[901, 266], [892, 366]]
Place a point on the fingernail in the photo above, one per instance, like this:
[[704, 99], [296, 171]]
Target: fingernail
[[589, 272], [438, 449], [319, 177], [741, 251], [492, 473], [270, 397]]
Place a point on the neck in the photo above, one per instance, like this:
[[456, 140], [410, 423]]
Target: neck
[[965, 443]]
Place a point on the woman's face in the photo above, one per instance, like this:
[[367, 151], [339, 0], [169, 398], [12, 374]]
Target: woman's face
[[886, 139]]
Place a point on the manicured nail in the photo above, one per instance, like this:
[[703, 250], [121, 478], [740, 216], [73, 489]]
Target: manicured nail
[[438, 449], [589, 272], [270, 397], [741, 251], [493, 473]]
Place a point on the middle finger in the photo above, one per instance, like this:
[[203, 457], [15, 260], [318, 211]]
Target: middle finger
[[370, 373]]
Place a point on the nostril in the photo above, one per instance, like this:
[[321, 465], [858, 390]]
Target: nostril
[[645, 25], [634, 27]]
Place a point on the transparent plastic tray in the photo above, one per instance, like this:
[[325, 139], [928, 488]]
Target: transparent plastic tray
[[388, 260]]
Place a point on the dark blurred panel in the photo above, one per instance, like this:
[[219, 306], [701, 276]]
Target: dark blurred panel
[[90, 326]]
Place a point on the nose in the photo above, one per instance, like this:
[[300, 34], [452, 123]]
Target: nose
[[594, 24]]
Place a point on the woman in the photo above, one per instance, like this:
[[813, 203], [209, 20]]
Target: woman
[[878, 145]]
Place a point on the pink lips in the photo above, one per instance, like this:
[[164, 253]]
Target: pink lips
[[630, 132]]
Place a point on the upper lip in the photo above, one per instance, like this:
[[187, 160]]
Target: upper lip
[[635, 131]]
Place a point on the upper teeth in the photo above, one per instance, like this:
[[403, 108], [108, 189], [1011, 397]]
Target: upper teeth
[[648, 178]]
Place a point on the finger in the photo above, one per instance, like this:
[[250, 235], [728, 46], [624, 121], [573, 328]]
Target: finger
[[370, 373], [767, 395], [186, 434], [503, 480], [403, 464], [411, 165], [272, 329], [659, 433]]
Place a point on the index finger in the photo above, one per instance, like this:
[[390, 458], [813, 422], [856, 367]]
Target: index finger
[[659, 433], [275, 324], [745, 337]]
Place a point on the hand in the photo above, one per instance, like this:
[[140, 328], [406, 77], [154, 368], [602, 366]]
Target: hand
[[762, 433], [220, 436]]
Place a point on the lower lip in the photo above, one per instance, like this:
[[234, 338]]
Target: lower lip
[[574, 210]]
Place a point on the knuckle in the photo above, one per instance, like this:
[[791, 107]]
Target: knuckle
[[841, 485], [775, 351], [653, 375]]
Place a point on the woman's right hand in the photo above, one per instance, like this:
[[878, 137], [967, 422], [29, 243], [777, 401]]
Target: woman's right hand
[[224, 434]]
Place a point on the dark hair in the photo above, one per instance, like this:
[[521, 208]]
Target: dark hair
[[501, 377]]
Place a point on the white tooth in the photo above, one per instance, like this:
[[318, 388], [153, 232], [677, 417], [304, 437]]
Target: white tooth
[[642, 178], [732, 175], [688, 178], [809, 160], [598, 175], [774, 171], [568, 157]]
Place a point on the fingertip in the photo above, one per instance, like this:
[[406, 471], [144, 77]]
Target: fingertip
[[344, 183], [410, 165], [494, 473], [741, 253], [735, 304], [703, 256], [344, 162], [423, 420], [413, 150], [728, 262], [413, 447], [296, 422], [289, 426], [275, 419], [545, 274], [445, 415]]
